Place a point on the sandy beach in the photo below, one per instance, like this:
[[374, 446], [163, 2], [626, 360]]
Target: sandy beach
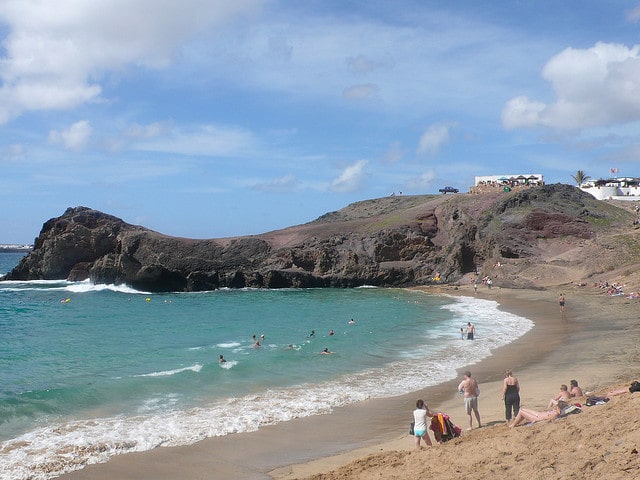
[[595, 341]]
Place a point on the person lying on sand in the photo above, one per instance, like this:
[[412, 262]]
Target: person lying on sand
[[635, 387], [533, 416]]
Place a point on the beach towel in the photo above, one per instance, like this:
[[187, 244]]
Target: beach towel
[[443, 428], [570, 409], [596, 401]]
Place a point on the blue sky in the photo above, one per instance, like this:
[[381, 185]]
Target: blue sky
[[208, 118]]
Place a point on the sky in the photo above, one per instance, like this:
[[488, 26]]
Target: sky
[[210, 118]]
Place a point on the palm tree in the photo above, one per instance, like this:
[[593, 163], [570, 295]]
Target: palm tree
[[580, 177]]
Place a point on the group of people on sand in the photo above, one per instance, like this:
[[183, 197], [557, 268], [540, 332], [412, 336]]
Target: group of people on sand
[[470, 390], [613, 289], [486, 280], [557, 404], [616, 289], [514, 414]]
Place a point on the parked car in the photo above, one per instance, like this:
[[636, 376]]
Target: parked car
[[448, 190]]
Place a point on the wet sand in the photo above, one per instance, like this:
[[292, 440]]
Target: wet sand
[[595, 341]]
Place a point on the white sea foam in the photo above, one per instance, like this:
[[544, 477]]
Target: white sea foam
[[228, 345], [87, 286], [193, 368], [229, 364], [20, 285], [47, 452], [64, 285]]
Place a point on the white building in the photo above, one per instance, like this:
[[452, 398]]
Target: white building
[[520, 178], [621, 188]]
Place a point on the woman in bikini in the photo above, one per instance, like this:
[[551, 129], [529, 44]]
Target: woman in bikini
[[533, 416]]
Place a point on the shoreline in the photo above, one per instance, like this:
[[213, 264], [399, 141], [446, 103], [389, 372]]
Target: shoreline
[[544, 357]]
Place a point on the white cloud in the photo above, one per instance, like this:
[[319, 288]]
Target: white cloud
[[150, 130], [136, 133], [350, 178], [11, 152], [433, 138], [521, 112], [284, 184], [208, 140], [633, 15], [407, 67], [598, 86], [56, 52], [357, 92], [422, 182], [75, 138], [362, 64]]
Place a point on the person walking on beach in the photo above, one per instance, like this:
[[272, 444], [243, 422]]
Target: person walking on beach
[[561, 302], [511, 395], [470, 389], [420, 431]]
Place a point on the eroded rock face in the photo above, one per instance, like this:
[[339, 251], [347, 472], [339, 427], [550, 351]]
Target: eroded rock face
[[394, 241]]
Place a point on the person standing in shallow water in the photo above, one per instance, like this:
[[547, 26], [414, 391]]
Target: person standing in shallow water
[[471, 330], [511, 395], [561, 302]]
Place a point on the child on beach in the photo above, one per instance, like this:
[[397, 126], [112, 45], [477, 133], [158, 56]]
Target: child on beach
[[420, 431]]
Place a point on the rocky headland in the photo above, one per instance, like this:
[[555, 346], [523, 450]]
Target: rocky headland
[[521, 239]]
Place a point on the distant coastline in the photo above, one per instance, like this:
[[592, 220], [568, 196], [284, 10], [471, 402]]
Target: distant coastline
[[15, 248]]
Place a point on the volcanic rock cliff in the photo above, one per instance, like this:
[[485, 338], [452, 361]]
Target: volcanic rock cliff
[[393, 241]]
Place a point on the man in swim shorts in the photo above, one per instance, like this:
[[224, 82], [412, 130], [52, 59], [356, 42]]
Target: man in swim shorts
[[470, 389], [471, 330]]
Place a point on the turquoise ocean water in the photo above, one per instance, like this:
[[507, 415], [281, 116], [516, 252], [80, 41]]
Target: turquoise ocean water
[[91, 371]]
